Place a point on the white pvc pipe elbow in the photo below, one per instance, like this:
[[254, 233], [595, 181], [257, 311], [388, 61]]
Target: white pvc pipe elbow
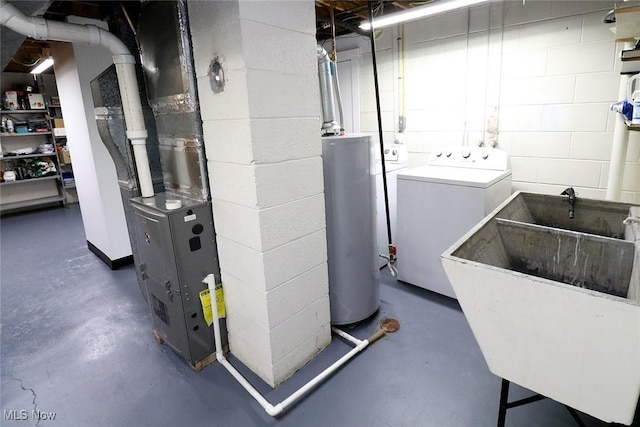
[[277, 409]]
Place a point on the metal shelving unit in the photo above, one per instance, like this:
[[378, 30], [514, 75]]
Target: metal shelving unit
[[17, 135], [28, 180], [23, 191], [32, 202], [26, 156]]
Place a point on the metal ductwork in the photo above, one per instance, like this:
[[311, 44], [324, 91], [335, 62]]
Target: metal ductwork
[[112, 129], [326, 74], [124, 61]]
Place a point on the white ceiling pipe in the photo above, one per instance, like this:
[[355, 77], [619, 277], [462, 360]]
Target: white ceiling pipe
[[277, 409], [125, 62]]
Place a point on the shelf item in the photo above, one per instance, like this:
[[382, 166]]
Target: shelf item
[[36, 101], [632, 126], [26, 162], [627, 23]]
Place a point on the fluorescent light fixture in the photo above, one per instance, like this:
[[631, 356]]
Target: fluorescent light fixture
[[43, 66], [418, 12]]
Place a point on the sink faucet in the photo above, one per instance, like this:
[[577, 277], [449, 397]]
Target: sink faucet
[[572, 200]]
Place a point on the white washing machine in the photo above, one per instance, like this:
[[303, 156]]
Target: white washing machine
[[439, 202], [396, 161]]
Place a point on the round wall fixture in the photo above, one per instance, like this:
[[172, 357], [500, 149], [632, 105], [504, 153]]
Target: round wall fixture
[[216, 76]]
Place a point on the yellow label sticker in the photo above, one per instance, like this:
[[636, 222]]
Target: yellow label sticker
[[205, 300], [222, 312]]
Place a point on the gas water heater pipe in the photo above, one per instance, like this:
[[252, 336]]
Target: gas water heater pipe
[[326, 72], [391, 257], [125, 62], [275, 410]]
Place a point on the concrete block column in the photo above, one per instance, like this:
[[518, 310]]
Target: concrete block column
[[265, 168]]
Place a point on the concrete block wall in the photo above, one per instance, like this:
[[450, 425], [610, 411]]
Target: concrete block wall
[[265, 168], [549, 67]]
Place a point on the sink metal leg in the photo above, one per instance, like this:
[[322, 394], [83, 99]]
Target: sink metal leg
[[504, 398], [505, 404], [575, 416]]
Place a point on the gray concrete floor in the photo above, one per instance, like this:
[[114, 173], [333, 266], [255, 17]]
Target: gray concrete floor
[[76, 340]]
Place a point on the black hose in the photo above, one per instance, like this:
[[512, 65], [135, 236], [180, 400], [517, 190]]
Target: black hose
[[377, 90]]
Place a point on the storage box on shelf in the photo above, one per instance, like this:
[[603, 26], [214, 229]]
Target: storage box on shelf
[[60, 136], [30, 172]]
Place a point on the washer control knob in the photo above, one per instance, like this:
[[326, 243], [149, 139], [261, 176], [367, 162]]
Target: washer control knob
[[394, 152], [439, 154], [386, 151], [485, 155], [466, 153], [449, 153]]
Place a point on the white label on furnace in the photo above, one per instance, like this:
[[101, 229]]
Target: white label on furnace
[[190, 218]]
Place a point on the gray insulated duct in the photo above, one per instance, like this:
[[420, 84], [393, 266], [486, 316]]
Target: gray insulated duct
[[111, 126], [167, 61]]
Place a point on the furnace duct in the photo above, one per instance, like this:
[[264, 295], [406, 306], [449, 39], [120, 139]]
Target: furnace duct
[[124, 61], [167, 61]]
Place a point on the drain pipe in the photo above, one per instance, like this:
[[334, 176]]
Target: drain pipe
[[277, 409], [125, 62], [620, 143]]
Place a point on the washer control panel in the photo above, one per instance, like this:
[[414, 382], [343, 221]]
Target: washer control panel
[[395, 153], [470, 157]]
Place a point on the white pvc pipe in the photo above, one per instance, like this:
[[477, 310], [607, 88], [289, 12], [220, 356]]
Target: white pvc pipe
[[346, 336], [277, 409], [620, 143], [42, 29]]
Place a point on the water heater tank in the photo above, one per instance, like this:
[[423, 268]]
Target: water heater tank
[[350, 203]]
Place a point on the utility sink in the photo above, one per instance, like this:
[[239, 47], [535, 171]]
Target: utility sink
[[554, 302], [592, 216]]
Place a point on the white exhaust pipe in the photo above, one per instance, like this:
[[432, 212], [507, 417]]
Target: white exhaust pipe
[[277, 409], [42, 29]]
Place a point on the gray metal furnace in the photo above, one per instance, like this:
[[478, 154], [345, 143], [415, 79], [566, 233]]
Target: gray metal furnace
[[350, 204], [177, 250], [175, 230]]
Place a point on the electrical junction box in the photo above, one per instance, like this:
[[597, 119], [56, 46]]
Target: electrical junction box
[[176, 239]]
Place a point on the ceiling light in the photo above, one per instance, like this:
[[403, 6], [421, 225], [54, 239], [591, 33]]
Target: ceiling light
[[418, 12], [43, 66]]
